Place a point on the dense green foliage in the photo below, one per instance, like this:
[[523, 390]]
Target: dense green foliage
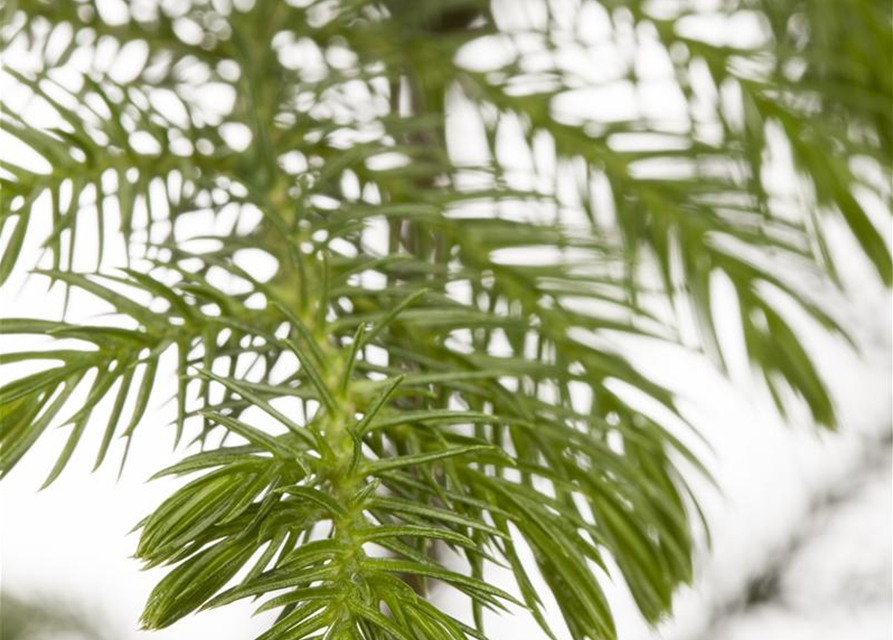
[[456, 390]]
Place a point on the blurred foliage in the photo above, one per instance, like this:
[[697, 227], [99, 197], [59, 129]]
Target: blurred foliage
[[42, 619], [442, 323]]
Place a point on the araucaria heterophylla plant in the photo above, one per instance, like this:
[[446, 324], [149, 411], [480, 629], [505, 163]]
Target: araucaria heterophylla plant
[[430, 382]]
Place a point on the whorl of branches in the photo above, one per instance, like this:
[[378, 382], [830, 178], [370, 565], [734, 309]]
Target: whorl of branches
[[455, 390]]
